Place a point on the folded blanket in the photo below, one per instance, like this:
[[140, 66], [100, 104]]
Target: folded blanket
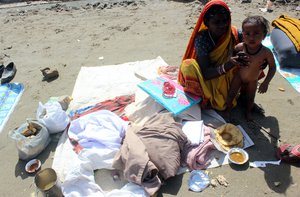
[[290, 26]]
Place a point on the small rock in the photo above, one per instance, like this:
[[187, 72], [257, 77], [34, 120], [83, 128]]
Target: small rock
[[213, 182], [7, 48], [277, 184], [116, 177], [222, 181], [290, 101]]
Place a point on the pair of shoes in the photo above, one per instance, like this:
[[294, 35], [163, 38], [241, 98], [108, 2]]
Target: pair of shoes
[[289, 153], [8, 72], [49, 74]]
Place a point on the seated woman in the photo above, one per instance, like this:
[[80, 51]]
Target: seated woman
[[208, 66]]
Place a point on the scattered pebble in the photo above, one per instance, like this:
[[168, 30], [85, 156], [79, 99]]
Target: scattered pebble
[[213, 182], [277, 184], [116, 177], [7, 48], [222, 180], [281, 89], [294, 184], [290, 101]]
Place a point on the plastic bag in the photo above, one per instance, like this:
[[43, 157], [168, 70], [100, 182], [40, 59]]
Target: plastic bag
[[52, 116], [198, 180], [35, 142]]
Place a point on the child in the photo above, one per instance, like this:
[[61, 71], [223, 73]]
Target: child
[[255, 29]]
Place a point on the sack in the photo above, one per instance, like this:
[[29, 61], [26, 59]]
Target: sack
[[36, 141], [52, 116]]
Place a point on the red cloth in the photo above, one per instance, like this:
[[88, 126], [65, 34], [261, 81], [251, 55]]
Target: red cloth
[[116, 105]]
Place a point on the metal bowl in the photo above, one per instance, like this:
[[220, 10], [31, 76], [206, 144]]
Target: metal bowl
[[33, 166], [237, 156]]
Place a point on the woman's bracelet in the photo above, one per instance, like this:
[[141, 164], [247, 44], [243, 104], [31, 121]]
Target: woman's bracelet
[[221, 69]]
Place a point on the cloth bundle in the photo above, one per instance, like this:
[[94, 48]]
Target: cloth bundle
[[160, 145]]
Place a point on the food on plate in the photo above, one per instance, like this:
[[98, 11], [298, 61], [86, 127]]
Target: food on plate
[[33, 166], [229, 136]]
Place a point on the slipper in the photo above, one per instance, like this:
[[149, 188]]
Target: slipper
[[9, 73], [49, 74], [289, 153], [1, 69]]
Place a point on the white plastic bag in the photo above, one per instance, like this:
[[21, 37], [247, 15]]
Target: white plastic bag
[[52, 116], [29, 147]]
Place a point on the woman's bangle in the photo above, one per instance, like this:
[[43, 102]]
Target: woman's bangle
[[219, 69], [223, 68]]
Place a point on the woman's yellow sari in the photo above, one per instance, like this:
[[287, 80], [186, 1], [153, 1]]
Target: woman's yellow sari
[[213, 92]]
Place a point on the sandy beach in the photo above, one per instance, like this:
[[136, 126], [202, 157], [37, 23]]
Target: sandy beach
[[69, 35]]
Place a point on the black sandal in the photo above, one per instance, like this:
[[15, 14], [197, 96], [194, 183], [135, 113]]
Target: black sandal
[[9, 73], [49, 74]]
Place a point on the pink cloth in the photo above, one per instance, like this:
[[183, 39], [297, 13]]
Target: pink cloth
[[199, 157]]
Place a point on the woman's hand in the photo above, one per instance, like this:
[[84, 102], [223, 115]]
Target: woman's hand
[[241, 59]]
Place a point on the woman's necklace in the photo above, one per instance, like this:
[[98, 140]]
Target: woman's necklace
[[256, 52], [211, 38]]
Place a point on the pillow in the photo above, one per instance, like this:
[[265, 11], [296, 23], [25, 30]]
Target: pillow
[[284, 49]]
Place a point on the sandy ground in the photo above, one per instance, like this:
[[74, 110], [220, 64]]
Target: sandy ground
[[69, 35]]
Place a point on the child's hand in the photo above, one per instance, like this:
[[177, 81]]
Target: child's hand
[[263, 87]]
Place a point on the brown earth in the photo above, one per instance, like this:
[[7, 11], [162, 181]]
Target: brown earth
[[69, 35]]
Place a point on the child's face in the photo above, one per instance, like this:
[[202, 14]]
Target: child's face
[[253, 34]]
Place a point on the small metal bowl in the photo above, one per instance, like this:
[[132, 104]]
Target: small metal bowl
[[33, 165], [237, 156]]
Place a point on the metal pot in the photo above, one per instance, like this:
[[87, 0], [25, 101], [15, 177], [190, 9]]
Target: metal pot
[[46, 182]]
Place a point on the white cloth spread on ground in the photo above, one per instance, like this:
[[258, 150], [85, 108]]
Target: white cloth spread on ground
[[93, 85], [102, 129], [144, 107], [100, 134]]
